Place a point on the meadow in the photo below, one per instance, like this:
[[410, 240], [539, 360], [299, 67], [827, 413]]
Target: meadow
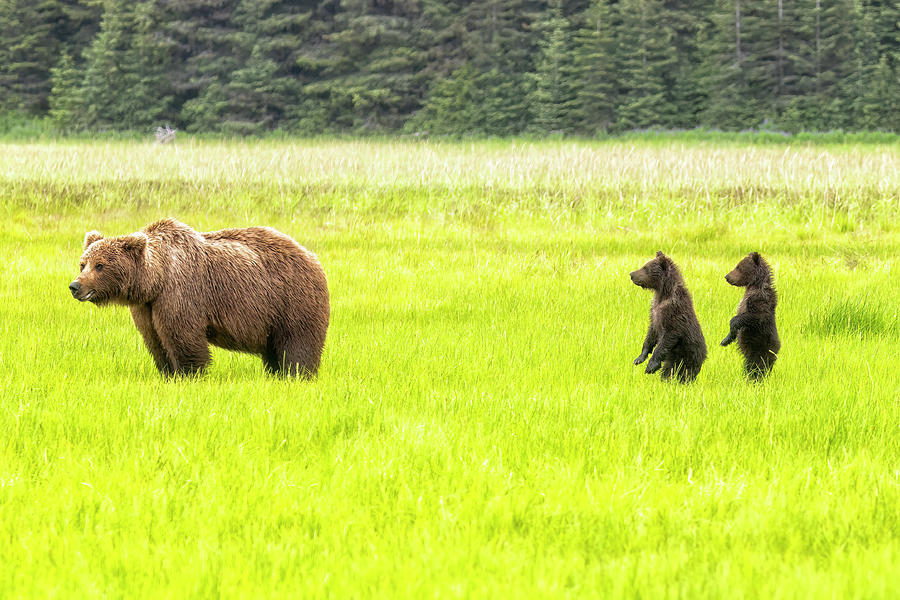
[[477, 428]]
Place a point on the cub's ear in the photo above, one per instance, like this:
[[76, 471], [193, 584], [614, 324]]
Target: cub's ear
[[663, 259], [755, 257], [136, 242], [90, 237]]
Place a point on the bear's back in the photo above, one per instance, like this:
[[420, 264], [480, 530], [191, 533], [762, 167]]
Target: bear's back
[[260, 239]]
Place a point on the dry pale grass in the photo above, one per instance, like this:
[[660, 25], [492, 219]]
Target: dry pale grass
[[840, 172]]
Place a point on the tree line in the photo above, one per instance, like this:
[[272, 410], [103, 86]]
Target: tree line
[[457, 67]]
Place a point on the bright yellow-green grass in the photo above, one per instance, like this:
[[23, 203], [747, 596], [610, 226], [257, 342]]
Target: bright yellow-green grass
[[477, 429]]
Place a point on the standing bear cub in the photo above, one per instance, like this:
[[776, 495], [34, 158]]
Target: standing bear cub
[[674, 329], [754, 325], [252, 290]]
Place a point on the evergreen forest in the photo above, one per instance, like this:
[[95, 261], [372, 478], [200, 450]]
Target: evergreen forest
[[452, 67]]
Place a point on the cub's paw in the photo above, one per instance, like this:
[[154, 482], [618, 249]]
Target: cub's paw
[[728, 339], [653, 366], [640, 359]]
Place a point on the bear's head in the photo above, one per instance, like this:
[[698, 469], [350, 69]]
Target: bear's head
[[109, 268], [752, 270], [658, 274]]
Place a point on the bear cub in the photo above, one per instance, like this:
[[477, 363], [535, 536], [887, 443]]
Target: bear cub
[[252, 290], [674, 329], [754, 324]]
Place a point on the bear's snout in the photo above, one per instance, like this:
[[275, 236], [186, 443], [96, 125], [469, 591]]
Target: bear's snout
[[637, 280], [76, 290]]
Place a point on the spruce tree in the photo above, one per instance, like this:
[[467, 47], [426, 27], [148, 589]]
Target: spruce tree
[[453, 107], [254, 101], [265, 83], [497, 43], [688, 21], [373, 69], [125, 84], [879, 106], [66, 103], [202, 41], [740, 92], [595, 78], [646, 54], [553, 102], [27, 53], [820, 67]]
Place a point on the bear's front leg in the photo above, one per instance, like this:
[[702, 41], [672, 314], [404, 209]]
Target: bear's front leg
[[143, 320], [183, 337], [649, 344], [734, 326]]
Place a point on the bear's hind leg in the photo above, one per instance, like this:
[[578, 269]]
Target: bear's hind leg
[[270, 359], [758, 366], [687, 374], [667, 371], [290, 357]]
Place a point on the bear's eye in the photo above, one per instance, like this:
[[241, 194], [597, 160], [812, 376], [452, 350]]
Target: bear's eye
[[98, 266], [81, 268]]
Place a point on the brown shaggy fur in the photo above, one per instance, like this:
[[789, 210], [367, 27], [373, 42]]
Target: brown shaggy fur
[[674, 329], [754, 325], [252, 290]]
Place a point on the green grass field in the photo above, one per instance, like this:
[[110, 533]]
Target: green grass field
[[477, 429]]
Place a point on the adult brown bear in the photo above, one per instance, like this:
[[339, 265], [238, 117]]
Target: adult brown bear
[[252, 290], [674, 331]]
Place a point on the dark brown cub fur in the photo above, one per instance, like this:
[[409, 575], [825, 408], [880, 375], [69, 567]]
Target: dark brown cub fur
[[754, 325], [253, 290], [674, 329]]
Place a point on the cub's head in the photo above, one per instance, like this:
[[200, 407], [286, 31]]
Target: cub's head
[[752, 270], [657, 274], [109, 267]]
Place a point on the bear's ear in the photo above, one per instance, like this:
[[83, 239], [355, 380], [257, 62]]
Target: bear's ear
[[755, 257], [136, 242], [663, 261], [90, 237]]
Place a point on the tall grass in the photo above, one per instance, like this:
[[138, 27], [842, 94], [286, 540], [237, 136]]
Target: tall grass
[[423, 177], [478, 428]]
